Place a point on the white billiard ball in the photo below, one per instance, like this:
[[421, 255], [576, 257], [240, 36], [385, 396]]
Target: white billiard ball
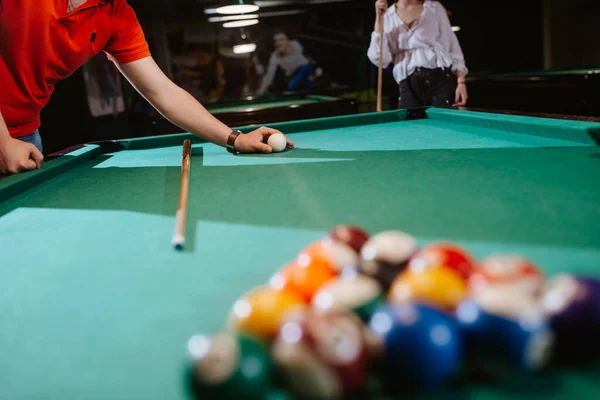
[[277, 142]]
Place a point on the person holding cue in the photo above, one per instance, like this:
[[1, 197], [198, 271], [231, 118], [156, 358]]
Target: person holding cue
[[429, 65], [44, 42]]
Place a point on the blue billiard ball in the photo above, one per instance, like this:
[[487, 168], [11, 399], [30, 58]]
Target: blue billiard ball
[[420, 346], [573, 306], [521, 343]]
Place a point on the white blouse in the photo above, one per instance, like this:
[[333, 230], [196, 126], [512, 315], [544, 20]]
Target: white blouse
[[428, 43]]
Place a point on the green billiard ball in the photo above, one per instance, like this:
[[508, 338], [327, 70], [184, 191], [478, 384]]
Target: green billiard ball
[[229, 366]]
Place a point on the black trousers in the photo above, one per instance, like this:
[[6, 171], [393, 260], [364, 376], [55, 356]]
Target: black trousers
[[428, 87]]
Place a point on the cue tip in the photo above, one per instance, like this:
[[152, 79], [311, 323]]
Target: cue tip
[[178, 241]]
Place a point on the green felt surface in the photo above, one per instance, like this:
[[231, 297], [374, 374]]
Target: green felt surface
[[262, 104], [95, 303]]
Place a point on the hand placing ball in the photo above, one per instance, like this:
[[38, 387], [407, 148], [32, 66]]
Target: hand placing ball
[[259, 141]]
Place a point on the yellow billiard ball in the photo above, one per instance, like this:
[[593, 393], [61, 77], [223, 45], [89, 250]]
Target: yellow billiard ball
[[261, 311], [438, 287]]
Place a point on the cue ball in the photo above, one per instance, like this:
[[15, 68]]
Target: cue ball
[[277, 142]]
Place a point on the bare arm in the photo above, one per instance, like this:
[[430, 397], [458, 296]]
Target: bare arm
[[268, 77], [4, 135], [174, 103], [179, 107]]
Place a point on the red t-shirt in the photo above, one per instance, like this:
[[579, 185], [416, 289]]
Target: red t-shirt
[[40, 44]]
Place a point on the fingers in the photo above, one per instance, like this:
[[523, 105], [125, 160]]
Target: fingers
[[36, 156], [266, 131], [27, 165], [262, 148]]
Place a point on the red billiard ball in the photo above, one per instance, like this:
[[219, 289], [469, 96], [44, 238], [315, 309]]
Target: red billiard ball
[[350, 235], [385, 255], [444, 254], [323, 356], [512, 270]]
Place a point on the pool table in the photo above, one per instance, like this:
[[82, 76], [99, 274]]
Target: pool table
[[96, 304], [255, 110], [572, 91]]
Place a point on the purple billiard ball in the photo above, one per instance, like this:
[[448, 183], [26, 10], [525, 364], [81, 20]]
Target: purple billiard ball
[[573, 306]]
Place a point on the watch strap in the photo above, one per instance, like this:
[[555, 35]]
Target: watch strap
[[231, 140]]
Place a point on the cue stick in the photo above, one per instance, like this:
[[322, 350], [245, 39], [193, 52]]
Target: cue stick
[[380, 72], [181, 215]]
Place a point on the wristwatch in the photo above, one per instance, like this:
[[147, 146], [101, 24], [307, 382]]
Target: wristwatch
[[231, 140]]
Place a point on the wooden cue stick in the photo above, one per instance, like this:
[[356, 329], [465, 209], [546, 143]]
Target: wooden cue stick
[[181, 215], [380, 74]]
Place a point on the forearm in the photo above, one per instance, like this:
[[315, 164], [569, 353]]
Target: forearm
[[4, 135], [460, 76], [266, 81], [182, 109], [378, 23]]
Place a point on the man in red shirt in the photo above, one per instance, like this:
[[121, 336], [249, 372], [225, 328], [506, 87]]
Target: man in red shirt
[[43, 42]]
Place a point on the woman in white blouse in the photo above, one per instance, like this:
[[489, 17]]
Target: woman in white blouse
[[429, 65]]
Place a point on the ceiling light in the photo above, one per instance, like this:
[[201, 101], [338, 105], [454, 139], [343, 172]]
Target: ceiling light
[[237, 7], [244, 48], [232, 17], [240, 23]]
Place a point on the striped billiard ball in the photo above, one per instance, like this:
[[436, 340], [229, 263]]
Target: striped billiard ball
[[524, 343], [507, 269], [351, 291], [323, 356], [446, 254], [351, 235]]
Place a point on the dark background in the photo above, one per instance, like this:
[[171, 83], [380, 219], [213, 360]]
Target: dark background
[[496, 36]]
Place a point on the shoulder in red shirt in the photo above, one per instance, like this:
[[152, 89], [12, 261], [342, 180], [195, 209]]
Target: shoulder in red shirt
[[40, 44]]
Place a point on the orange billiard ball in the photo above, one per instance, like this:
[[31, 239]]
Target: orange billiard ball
[[439, 287], [304, 280], [327, 251]]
